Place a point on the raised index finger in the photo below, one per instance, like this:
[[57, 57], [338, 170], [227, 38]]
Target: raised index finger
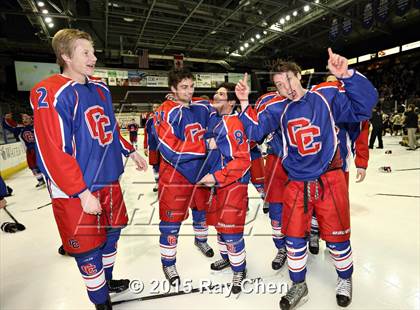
[[330, 52]]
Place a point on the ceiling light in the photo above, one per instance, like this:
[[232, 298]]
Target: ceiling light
[[282, 20], [252, 40], [48, 19], [41, 4], [288, 17], [294, 13], [276, 28], [241, 48], [50, 25], [44, 11], [306, 8], [129, 19], [257, 36], [213, 32], [235, 53], [246, 44], [316, 1], [265, 32]]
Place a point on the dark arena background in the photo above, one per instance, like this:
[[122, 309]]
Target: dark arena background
[[137, 42]]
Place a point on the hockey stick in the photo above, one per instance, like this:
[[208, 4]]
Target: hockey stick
[[43, 206], [158, 296], [396, 195], [409, 169], [165, 295]]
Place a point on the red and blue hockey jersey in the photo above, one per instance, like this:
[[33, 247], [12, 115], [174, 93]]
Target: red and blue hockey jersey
[[231, 161], [25, 133], [132, 128], [180, 133], [308, 125], [79, 144]]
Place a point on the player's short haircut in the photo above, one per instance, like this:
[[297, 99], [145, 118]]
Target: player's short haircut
[[175, 76], [63, 43], [280, 66], [331, 78], [231, 95]]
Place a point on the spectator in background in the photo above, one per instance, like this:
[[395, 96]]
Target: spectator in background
[[397, 122], [386, 124], [24, 129], [411, 123], [132, 128], [376, 122]]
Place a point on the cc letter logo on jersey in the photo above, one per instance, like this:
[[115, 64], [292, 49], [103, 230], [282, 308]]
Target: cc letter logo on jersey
[[89, 269], [302, 135], [194, 132], [96, 121]]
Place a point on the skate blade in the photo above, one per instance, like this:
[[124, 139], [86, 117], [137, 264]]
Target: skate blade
[[301, 302], [226, 270]]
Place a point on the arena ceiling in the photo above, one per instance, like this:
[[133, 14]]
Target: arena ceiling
[[209, 31]]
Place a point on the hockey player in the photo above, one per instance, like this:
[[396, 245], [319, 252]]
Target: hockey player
[[312, 161], [132, 128], [228, 176], [150, 147], [25, 132], [79, 149], [179, 125]]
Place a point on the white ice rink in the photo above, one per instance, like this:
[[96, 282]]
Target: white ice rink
[[385, 241]]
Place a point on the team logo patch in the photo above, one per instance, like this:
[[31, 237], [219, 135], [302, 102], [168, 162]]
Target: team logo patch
[[89, 269], [231, 247], [28, 136], [74, 243], [275, 223], [97, 121], [194, 132], [172, 240], [302, 135]]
